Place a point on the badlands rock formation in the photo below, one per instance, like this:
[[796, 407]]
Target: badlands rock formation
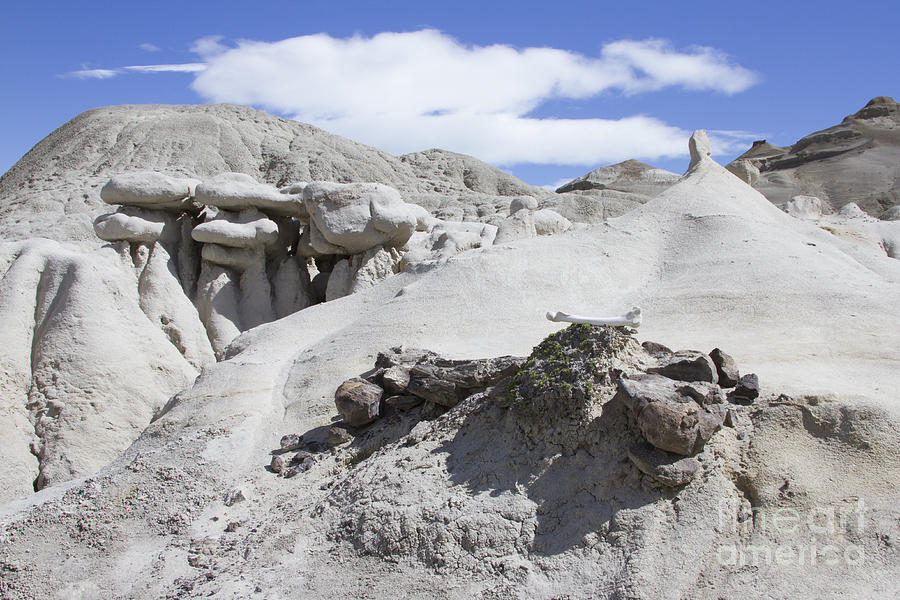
[[197, 260], [854, 161], [479, 499], [63, 174]]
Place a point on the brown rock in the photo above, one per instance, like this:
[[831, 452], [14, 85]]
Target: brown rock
[[668, 469], [403, 402], [290, 442], [278, 464], [448, 382], [726, 368], [687, 365], [338, 436], [395, 379], [358, 401], [674, 416], [747, 390]]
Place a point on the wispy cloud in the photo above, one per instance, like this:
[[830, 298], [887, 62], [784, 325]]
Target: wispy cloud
[[729, 141], [147, 46], [421, 89], [93, 74], [210, 45], [178, 68], [108, 73]]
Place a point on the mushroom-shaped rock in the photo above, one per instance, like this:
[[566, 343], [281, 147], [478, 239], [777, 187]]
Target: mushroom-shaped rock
[[548, 222], [135, 225], [674, 416], [233, 258], [149, 189], [237, 191], [698, 147], [247, 229], [517, 204], [359, 216]]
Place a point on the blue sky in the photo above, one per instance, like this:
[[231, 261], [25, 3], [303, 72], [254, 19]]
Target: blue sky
[[545, 91]]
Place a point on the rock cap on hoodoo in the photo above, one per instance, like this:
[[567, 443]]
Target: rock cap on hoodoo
[[699, 148], [149, 189]]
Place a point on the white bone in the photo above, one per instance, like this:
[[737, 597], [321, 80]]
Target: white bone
[[631, 319]]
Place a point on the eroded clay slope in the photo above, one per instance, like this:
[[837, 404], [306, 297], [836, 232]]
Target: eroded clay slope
[[711, 262]]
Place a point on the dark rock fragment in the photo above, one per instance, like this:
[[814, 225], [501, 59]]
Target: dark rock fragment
[[747, 390], [674, 416], [338, 436], [291, 442], [448, 382], [358, 401], [725, 368], [395, 379], [403, 402], [668, 469], [278, 463], [654, 348], [688, 365]]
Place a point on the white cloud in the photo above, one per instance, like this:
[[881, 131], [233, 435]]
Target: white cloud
[[655, 65], [509, 139], [209, 46], [147, 46], [108, 73], [179, 68], [727, 141], [93, 73], [409, 91]]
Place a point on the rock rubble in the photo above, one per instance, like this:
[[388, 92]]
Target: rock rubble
[[559, 393]]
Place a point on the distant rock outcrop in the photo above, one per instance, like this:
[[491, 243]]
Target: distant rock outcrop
[[611, 191], [856, 161]]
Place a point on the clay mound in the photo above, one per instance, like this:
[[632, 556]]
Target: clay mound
[[64, 172], [711, 262], [548, 474], [854, 161], [445, 172], [489, 485]]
